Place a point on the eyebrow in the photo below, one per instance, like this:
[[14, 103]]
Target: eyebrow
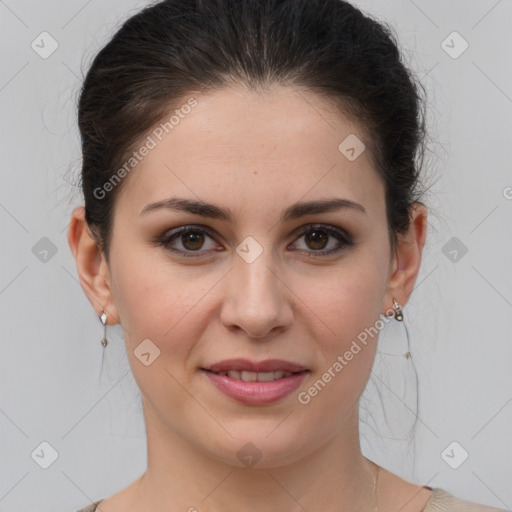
[[213, 211]]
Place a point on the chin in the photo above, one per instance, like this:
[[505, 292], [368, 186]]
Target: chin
[[262, 446]]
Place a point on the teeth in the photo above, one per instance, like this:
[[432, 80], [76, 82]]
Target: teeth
[[256, 376], [250, 376], [261, 377]]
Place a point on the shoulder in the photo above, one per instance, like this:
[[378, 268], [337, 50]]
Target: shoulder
[[90, 508], [443, 501]]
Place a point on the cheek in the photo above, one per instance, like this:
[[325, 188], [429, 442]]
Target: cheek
[[349, 306], [346, 307], [345, 301], [144, 299], [347, 339], [157, 304], [161, 302], [157, 299]]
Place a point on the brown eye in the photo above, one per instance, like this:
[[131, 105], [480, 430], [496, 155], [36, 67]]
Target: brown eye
[[189, 240], [316, 239], [192, 240]]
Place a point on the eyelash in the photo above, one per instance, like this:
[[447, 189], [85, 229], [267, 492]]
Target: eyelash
[[339, 234]]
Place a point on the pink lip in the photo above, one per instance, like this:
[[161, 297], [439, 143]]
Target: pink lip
[[269, 365], [256, 393]]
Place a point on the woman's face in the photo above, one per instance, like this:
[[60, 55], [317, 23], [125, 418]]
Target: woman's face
[[252, 286]]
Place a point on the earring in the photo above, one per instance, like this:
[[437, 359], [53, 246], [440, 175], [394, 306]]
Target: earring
[[397, 308], [103, 319], [398, 315]]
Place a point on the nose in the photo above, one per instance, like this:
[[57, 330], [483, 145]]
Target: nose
[[256, 298]]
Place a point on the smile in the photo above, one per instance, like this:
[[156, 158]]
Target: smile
[[256, 388], [255, 376]]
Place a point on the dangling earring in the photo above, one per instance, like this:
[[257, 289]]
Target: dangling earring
[[398, 315], [103, 319], [397, 308]]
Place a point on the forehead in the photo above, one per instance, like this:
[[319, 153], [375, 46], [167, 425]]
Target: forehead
[[261, 148]]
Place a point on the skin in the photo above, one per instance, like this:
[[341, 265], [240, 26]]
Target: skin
[[255, 153]]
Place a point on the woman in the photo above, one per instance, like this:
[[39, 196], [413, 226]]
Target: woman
[[251, 174]]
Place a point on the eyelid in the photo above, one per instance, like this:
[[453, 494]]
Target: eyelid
[[343, 237], [167, 237]]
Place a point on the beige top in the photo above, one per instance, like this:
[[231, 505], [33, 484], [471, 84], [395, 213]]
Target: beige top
[[440, 501]]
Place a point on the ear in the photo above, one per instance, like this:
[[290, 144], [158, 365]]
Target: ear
[[407, 258], [92, 267]]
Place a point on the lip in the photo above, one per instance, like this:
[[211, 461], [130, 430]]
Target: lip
[[256, 393], [268, 365]]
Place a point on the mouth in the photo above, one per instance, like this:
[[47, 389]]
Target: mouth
[[255, 376], [248, 366], [256, 383]]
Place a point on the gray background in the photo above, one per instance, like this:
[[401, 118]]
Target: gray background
[[53, 388]]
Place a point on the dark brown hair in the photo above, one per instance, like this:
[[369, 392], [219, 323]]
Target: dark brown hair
[[174, 49]]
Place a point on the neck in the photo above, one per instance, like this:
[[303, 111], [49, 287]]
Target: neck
[[179, 476]]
